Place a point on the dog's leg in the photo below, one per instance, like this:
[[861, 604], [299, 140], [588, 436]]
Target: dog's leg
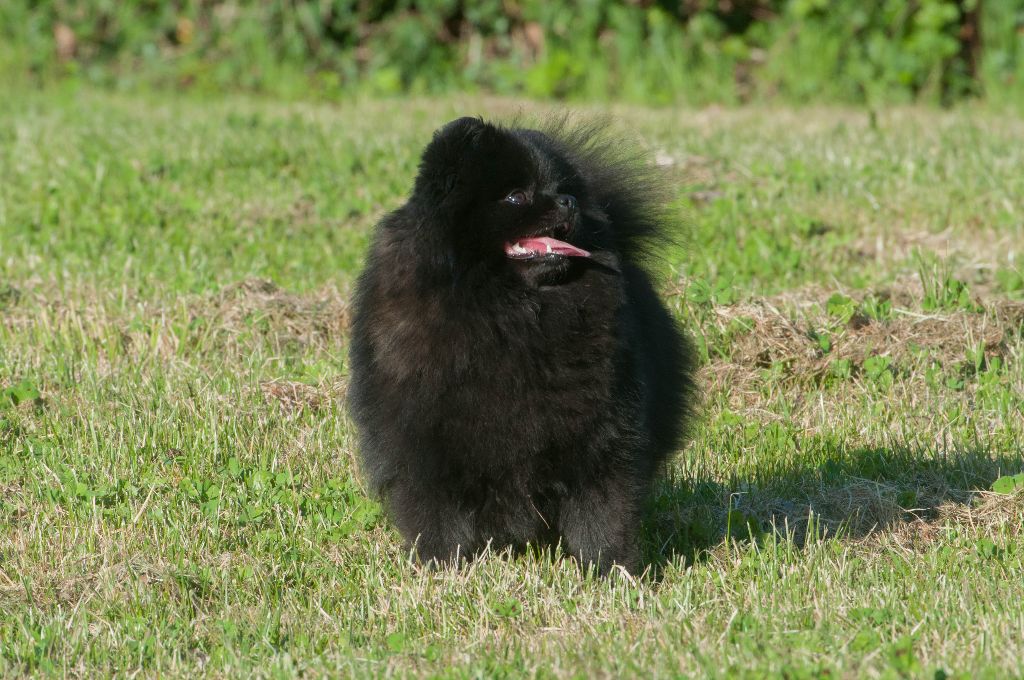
[[435, 530], [599, 526]]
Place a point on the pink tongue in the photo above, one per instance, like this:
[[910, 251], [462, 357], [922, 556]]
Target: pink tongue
[[540, 246]]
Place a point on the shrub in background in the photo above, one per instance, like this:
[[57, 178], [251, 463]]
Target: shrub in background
[[694, 51]]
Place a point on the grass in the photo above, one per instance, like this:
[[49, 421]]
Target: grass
[[177, 487]]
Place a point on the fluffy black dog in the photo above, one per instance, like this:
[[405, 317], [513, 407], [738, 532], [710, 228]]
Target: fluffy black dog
[[514, 377]]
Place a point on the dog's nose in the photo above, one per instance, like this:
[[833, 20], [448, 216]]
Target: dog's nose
[[566, 201]]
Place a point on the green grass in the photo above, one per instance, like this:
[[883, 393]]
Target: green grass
[[177, 487]]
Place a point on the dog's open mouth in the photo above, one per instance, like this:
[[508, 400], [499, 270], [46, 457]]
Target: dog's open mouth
[[540, 246]]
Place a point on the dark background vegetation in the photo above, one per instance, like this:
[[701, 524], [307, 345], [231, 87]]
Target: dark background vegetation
[[647, 51]]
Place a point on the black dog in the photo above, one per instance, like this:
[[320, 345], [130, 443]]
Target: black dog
[[515, 378]]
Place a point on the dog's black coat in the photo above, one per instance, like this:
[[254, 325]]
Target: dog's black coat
[[511, 401]]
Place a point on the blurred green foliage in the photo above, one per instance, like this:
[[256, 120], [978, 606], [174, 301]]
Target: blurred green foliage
[[693, 51]]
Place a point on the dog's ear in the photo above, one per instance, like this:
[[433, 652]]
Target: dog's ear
[[461, 129], [439, 168]]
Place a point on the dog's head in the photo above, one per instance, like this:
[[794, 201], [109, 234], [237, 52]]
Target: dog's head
[[512, 198]]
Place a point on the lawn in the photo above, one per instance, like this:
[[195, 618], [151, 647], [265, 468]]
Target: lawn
[[178, 493]]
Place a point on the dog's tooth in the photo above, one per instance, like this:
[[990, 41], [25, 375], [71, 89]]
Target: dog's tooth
[[549, 247]]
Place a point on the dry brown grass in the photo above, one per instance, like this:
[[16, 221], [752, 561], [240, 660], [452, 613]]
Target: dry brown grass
[[259, 309], [293, 396], [781, 332]]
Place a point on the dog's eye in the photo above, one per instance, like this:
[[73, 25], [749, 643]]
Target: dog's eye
[[517, 197]]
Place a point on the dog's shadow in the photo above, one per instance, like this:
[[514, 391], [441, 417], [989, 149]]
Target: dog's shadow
[[850, 494]]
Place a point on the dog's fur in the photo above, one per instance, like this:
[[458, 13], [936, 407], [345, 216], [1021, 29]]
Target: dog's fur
[[517, 402]]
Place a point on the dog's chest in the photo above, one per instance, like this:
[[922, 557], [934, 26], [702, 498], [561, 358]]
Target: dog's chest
[[541, 380]]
